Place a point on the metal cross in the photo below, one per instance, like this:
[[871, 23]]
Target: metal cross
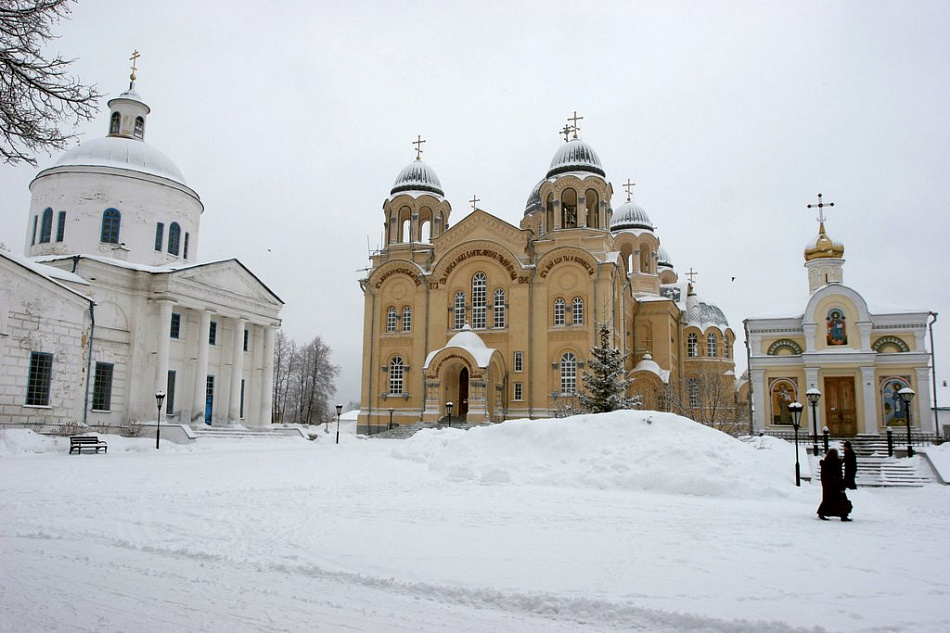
[[821, 214], [474, 201], [629, 185], [418, 143], [691, 274], [566, 132], [134, 59], [574, 119]]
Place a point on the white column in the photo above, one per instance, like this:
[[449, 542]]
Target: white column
[[924, 405], [864, 327], [760, 398], [872, 419], [201, 370], [164, 336], [237, 371], [267, 378], [810, 329]]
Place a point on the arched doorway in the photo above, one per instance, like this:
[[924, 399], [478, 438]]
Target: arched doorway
[[463, 392]]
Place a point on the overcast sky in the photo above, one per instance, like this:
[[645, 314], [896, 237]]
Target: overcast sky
[[292, 119]]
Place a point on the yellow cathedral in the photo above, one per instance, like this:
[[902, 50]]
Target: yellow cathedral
[[499, 320]]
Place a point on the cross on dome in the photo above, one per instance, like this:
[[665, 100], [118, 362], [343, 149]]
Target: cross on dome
[[820, 205], [134, 59], [475, 200], [692, 275], [418, 143], [574, 119], [629, 185], [566, 131]]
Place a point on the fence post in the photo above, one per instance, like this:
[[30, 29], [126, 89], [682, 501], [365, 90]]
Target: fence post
[[890, 443], [824, 435]]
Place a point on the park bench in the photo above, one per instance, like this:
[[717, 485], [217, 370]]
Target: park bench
[[79, 442]]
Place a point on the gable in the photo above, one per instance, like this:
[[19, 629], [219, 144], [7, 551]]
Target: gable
[[480, 225], [222, 279]]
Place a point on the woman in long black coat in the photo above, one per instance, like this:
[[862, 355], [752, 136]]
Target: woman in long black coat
[[850, 467], [834, 502]]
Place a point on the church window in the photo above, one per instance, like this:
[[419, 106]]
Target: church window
[[711, 345], [568, 373], [111, 221], [139, 127], [592, 200], [559, 311], [213, 333], [577, 311], [61, 226], [396, 369], [692, 388], [726, 348], [39, 379], [519, 392], [406, 231], [500, 309], [159, 236], [692, 345], [175, 328], [246, 338], [519, 361], [184, 252], [425, 231], [459, 310], [479, 298], [174, 238], [102, 387], [407, 319], [46, 228], [391, 320], [540, 228], [170, 392], [569, 209], [33, 239], [114, 123]]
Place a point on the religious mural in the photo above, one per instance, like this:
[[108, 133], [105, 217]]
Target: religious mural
[[894, 411], [783, 391], [837, 330]]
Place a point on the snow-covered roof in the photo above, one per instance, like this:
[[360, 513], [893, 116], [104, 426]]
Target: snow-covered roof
[[417, 176], [121, 153], [649, 365], [469, 341], [53, 275], [575, 156], [630, 215]]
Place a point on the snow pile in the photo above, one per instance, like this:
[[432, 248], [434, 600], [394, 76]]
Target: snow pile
[[940, 458], [623, 450], [15, 442]]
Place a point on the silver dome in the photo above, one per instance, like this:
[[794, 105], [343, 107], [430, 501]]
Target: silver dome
[[122, 153], [630, 215], [575, 155], [534, 200], [417, 176], [663, 259]]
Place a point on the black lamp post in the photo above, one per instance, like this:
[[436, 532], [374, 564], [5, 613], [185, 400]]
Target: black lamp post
[[795, 408], [159, 399], [906, 395], [448, 411], [339, 410], [391, 418], [814, 396]]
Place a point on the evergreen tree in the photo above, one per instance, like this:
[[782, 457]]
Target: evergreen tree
[[605, 380]]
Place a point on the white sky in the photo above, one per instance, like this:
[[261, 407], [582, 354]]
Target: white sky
[[292, 119]]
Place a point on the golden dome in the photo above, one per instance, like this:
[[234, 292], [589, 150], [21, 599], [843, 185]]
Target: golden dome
[[823, 247]]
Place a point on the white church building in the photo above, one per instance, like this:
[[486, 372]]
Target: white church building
[[108, 305]]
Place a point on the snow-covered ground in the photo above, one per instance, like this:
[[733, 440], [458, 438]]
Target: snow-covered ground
[[619, 522]]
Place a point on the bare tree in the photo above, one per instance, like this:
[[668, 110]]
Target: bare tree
[[708, 397], [303, 381], [284, 352], [36, 93]]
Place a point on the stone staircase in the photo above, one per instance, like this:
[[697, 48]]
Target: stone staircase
[[877, 470], [204, 432], [408, 430]]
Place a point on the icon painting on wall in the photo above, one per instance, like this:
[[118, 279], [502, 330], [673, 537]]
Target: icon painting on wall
[[837, 329]]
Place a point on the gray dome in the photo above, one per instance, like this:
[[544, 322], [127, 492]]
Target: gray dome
[[122, 153], [630, 215], [534, 200], [663, 259], [575, 155], [417, 176], [712, 315]]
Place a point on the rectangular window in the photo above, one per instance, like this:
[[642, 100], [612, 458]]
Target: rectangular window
[[241, 414], [245, 339], [519, 391], [175, 331], [38, 382], [519, 361], [61, 226], [170, 393], [213, 333], [102, 387], [209, 399], [184, 253], [36, 219], [159, 235]]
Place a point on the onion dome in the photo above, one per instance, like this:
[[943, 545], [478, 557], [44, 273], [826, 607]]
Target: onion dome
[[703, 315], [663, 259], [823, 247], [630, 215], [534, 200], [417, 176], [122, 153], [575, 155]]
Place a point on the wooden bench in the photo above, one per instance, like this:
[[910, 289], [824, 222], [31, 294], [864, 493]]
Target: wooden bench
[[79, 442]]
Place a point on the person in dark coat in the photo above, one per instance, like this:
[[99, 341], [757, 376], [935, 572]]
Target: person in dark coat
[[850, 467], [834, 501]]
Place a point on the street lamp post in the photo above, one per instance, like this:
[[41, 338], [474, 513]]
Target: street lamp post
[[795, 408], [448, 411], [391, 418], [159, 399], [339, 410], [814, 396], [906, 395]]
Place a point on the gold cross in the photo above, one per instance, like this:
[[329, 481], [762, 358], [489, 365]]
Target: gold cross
[[418, 143], [134, 59], [566, 132], [574, 119], [821, 214], [629, 186], [474, 201], [692, 275]]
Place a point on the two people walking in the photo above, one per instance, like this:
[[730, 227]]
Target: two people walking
[[834, 500]]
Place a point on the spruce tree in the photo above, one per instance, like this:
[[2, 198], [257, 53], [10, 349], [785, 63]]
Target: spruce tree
[[605, 380]]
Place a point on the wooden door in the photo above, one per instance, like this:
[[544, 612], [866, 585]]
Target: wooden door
[[840, 413]]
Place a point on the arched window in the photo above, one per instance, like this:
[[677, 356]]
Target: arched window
[[692, 345], [711, 346], [459, 310], [407, 319], [577, 314], [479, 299], [559, 310], [391, 320], [46, 228], [500, 309], [406, 232], [111, 220], [114, 123], [174, 238], [569, 209], [396, 373], [139, 127], [645, 257], [568, 373], [593, 205], [726, 348]]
